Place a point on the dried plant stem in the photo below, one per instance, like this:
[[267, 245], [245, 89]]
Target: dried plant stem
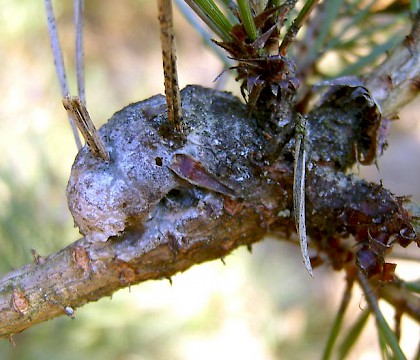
[[59, 63], [80, 116], [299, 191], [78, 21], [172, 92]]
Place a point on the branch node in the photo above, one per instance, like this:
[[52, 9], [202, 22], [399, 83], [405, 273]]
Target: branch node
[[38, 259], [81, 258], [20, 302]]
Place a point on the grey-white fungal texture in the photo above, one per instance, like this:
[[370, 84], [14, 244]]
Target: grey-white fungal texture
[[108, 198]]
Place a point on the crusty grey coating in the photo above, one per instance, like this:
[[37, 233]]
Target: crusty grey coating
[[106, 197]]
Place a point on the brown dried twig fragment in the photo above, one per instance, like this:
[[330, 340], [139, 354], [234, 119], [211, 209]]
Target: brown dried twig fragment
[[173, 97], [80, 116]]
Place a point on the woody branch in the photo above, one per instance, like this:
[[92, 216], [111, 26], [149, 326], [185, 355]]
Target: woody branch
[[85, 272]]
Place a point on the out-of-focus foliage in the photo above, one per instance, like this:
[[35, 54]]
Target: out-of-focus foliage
[[34, 153], [259, 306]]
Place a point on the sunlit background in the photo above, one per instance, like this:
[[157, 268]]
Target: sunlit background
[[262, 305]]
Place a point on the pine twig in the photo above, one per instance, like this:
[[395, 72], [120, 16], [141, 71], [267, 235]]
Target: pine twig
[[397, 80]]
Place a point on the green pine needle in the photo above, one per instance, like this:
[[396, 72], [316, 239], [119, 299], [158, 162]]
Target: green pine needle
[[208, 11], [370, 58], [413, 286], [338, 321], [384, 331], [353, 334], [247, 19]]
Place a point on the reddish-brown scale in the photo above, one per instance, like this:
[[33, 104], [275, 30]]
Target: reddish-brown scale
[[191, 170], [368, 212]]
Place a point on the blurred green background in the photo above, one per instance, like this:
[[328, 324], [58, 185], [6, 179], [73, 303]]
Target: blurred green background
[[259, 306]]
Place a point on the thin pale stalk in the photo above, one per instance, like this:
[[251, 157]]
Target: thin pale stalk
[[59, 63], [56, 49], [78, 21], [299, 206]]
